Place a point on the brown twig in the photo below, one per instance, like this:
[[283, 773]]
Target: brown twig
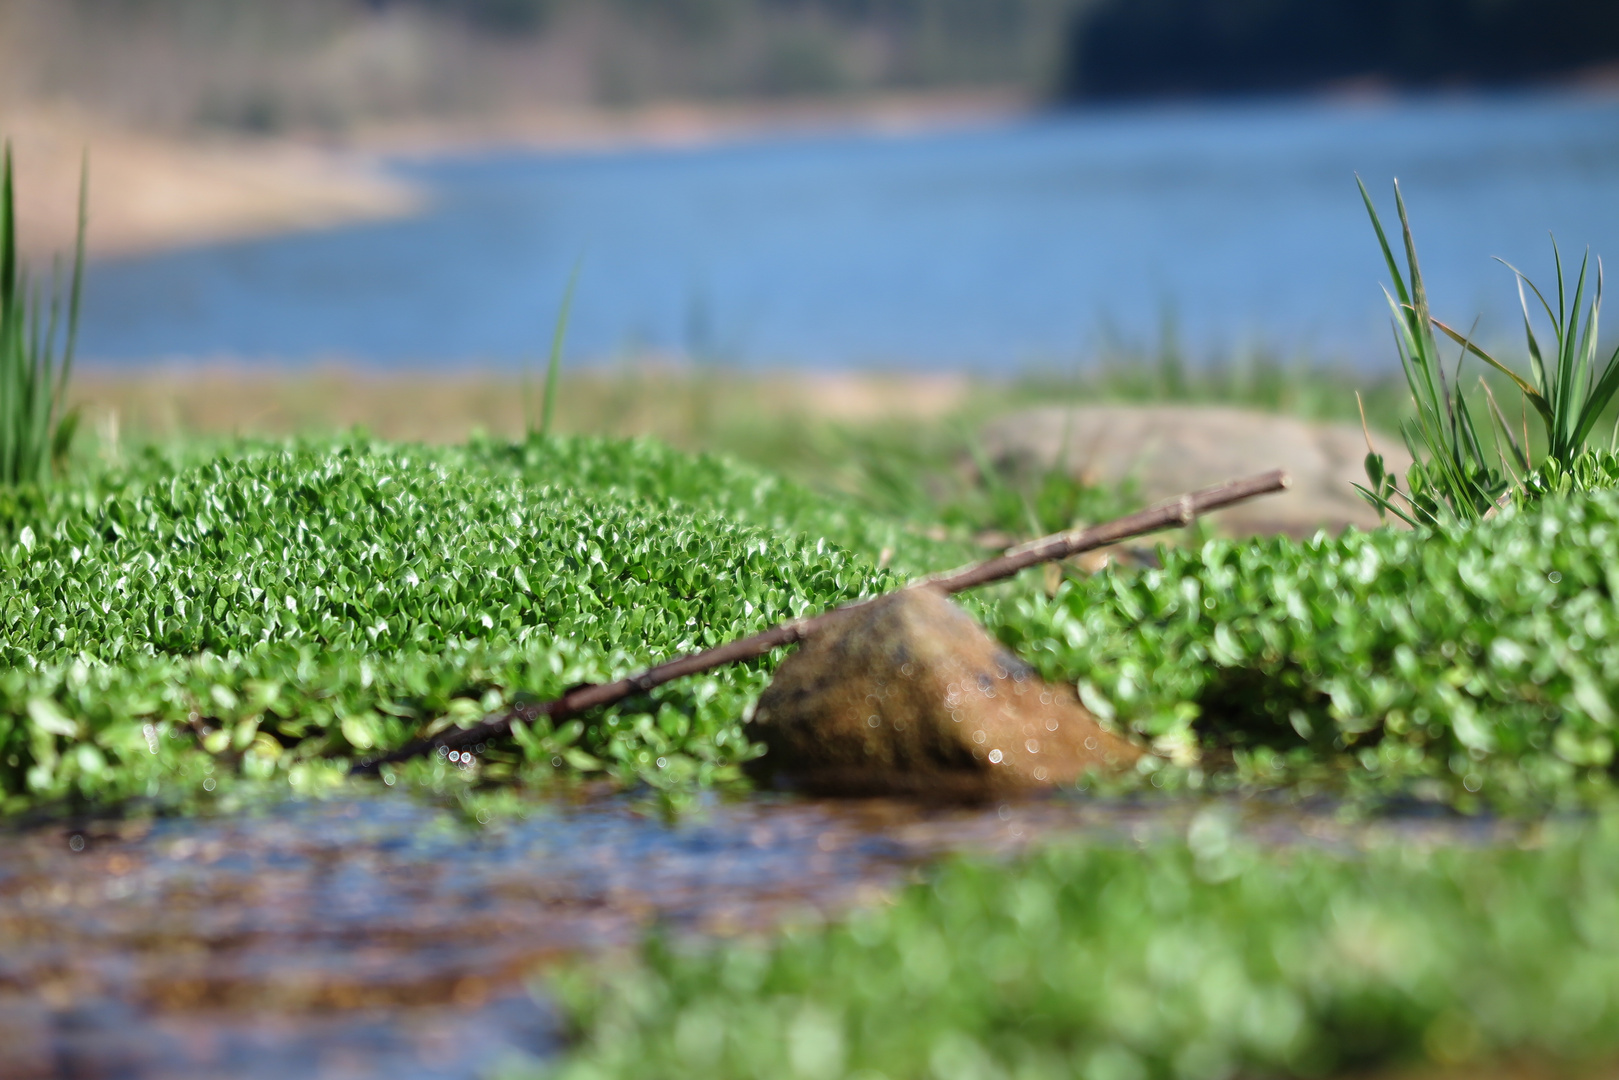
[[1178, 511]]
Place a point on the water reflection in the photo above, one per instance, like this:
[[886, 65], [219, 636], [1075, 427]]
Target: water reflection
[[380, 937]]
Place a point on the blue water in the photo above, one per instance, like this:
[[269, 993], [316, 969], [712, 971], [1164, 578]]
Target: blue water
[[1039, 241]]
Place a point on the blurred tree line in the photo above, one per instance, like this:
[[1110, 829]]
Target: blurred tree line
[[274, 64], [1129, 48]]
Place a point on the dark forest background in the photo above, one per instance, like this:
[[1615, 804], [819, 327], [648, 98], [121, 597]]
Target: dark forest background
[[271, 65], [1128, 48]]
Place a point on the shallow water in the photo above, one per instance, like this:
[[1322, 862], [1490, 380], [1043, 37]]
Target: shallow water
[[1031, 241], [382, 938]]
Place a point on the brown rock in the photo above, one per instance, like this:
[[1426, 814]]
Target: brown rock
[[908, 695]]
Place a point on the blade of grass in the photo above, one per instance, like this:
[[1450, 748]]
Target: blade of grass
[[13, 342], [1383, 504], [33, 376], [553, 367], [1534, 396], [1383, 241], [76, 290], [1419, 295], [1568, 364], [1505, 427], [8, 237], [1601, 395]]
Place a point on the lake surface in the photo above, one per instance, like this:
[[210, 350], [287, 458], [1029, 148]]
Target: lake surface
[[1034, 242]]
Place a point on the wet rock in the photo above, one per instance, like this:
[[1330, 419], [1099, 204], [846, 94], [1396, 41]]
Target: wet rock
[[909, 695], [1168, 449]]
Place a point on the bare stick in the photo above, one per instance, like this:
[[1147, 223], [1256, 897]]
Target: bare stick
[[1179, 511]]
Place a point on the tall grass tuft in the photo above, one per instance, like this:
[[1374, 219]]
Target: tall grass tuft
[[35, 432], [1570, 393], [1457, 474], [553, 367]]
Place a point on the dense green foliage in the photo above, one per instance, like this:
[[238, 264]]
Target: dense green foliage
[[286, 604], [1466, 659], [1196, 960], [270, 609]]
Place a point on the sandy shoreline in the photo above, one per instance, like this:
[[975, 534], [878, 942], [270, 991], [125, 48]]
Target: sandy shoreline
[[679, 124], [675, 402], [151, 191]]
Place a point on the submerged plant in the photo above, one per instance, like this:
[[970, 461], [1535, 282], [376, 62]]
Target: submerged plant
[[35, 432], [1454, 474]]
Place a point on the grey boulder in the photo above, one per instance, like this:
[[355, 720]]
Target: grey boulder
[[1168, 449]]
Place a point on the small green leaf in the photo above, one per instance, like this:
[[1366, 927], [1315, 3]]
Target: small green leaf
[[581, 760], [48, 717]]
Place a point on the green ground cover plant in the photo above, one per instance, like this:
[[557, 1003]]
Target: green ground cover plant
[[271, 610], [1192, 959], [1460, 662], [266, 609]]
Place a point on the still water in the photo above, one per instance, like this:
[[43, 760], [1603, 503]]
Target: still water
[[1032, 242]]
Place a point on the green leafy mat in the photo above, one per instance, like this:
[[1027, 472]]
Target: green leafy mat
[[1469, 662], [282, 605], [271, 611]]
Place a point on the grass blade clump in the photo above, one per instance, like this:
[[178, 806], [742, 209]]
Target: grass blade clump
[[1569, 387], [1571, 394], [34, 430], [1453, 475]]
